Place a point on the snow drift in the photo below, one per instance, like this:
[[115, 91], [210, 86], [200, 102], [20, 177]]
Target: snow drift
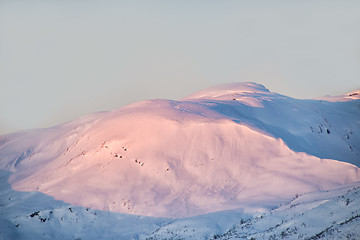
[[235, 146]]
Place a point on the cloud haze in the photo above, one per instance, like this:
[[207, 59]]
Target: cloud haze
[[60, 60]]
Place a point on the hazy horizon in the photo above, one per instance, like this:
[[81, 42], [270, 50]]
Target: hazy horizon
[[61, 60]]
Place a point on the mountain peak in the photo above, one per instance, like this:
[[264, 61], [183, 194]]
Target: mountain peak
[[229, 89]]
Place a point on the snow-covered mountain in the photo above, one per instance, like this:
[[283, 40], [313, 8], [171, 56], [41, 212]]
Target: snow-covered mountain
[[331, 214], [236, 148]]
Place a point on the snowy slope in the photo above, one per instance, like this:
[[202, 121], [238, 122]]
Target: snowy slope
[[317, 127], [331, 214], [235, 146], [205, 153], [33, 215], [318, 215]]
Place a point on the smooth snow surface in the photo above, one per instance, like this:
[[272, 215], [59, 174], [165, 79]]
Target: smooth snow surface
[[331, 214], [234, 146], [229, 89]]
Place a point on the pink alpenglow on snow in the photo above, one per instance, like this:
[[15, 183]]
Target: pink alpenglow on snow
[[234, 146], [353, 95]]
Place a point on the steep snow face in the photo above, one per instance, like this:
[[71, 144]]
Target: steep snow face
[[321, 128], [182, 158]]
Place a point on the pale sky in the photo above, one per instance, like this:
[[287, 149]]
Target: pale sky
[[63, 59]]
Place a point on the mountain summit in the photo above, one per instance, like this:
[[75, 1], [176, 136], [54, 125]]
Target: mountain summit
[[229, 89], [234, 146]]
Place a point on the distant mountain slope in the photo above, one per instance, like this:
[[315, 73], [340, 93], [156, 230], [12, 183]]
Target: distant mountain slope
[[317, 127], [353, 95], [232, 146]]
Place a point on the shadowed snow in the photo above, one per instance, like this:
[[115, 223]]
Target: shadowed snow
[[232, 146]]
